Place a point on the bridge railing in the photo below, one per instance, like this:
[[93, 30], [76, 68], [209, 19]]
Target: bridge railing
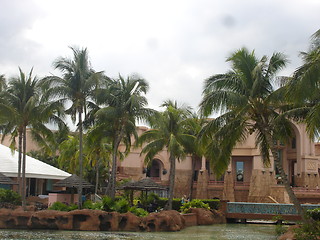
[[265, 208]]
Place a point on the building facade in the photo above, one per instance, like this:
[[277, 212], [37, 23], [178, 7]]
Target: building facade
[[246, 179]]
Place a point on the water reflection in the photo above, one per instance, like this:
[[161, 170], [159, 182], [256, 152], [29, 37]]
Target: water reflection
[[221, 232]]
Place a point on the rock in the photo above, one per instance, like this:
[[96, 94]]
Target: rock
[[16, 219], [163, 221], [207, 217]]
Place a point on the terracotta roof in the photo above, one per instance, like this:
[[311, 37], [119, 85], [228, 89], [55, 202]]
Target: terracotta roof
[[143, 184], [6, 180], [72, 181]]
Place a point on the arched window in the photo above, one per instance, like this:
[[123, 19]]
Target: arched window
[[154, 169]]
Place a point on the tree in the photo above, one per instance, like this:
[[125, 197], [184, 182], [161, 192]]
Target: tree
[[168, 133], [249, 104], [196, 148], [3, 83], [98, 151], [79, 84], [306, 78], [23, 105], [125, 105]]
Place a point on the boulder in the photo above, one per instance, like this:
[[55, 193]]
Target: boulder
[[208, 217], [163, 221], [16, 219]]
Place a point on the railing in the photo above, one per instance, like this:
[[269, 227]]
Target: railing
[[305, 189], [244, 184], [213, 182], [265, 208]]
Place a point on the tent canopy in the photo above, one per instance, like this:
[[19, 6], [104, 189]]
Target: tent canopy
[[34, 167]]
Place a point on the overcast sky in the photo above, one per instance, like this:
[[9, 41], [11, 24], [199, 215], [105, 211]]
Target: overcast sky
[[173, 44]]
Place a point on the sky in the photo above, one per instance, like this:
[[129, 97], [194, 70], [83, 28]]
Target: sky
[[174, 44]]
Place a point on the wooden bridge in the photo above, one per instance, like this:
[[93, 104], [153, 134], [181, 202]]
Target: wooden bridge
[[263, 211]]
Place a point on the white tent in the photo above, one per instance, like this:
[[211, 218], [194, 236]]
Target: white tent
[[34, 167]]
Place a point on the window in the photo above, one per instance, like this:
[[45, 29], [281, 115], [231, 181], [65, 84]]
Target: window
[[239, 170], [293, 143]]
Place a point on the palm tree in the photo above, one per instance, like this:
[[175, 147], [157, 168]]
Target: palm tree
[[168, 133], [98, 151], [125, 105], [24, 105], [196, 149], [78, 84], [306, 78], [249, 104]]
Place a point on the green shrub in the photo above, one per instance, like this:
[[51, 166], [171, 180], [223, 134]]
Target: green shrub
[[314, 213], [122, 205], [196, 203], [88, 204], [140, 212], [9, 196], [308, 231], [59, 206], [213, 203], [108, 204]]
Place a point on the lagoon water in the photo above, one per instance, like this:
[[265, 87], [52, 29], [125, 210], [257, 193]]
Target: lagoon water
[[219, 232]]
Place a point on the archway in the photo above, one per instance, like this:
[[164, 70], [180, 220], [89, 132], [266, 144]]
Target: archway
[[155, 168]]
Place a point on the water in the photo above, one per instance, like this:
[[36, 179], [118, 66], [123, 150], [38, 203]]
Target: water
[[219, 232]]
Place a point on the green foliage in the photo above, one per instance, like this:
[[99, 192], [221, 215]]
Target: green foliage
[[122, 205], [176, 204], [308, 231], [9, 196], [108, 204], [140, 212], [314, 214], [213, 203], [90, 205], [196, 203], [59, 206]]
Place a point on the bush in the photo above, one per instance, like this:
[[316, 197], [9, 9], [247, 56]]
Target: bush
[[59, 206], [196, 203], [122, 205], [213, 203], [9, 196], [88, 204], [140, 212], [314, 214], [108, 204], [308, 231]]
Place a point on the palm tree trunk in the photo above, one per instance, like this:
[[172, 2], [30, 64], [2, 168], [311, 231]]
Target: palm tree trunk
[[19, 162], [97, 177], [193, 158], [80, 160], [171, 181], [24, 168]]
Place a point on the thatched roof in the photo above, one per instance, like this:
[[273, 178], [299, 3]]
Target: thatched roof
[[143, 184], [72, 181], [6, 180]]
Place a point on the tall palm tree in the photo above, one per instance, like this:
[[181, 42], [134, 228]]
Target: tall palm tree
[[98, 151], [125, 104], [24, 105], [196, 149], [168, 133], [306, 78], [249, 104], [78, 84]]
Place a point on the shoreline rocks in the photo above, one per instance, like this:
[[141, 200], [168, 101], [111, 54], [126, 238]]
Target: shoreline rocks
[[97, 220]]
